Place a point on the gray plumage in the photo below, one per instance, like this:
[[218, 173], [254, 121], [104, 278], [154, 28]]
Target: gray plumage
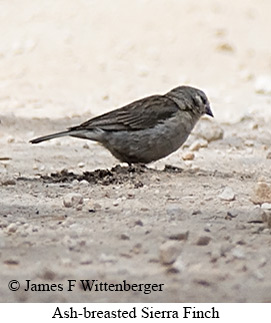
[[147, 129]]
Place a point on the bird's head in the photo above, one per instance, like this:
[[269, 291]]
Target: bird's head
[[192, 98]]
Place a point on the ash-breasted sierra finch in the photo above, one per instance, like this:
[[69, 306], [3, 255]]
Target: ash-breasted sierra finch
[[147, 129]]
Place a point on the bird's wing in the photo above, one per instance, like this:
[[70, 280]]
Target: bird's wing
[[138, 115]]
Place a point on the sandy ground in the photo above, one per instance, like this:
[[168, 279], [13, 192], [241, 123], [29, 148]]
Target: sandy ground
[[197, 226]]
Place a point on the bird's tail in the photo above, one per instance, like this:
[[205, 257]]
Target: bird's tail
[[52, 136]]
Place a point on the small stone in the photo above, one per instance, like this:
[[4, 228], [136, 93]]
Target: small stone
[[86, 260], [10, 139], [268, 156], [75, 182], [137, 248], [266, 206], [12, 262], [84, 183], [178, 266], [261, 193], [81, 165], [107, 258], [12, 227], [262, 84], [179, 235], [139, 222], [238, 253], [73, 200], [188, 156], [196, 145], [92, 207], [227, 194], [169, 251], [203, 241], [124, 236]]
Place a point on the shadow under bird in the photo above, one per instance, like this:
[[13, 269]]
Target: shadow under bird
[[147, 129]]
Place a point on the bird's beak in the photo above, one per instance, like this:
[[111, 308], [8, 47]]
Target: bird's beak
[[208, 110]]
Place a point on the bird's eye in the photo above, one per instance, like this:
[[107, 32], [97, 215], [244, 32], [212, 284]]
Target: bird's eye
[[204, 100]]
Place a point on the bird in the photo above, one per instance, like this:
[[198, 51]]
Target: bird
[[147, 129]]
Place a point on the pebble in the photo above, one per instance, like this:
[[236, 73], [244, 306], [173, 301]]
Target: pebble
[[84, 183], [262, 84], [79, 207], [73, 200], [261, 193], [93, 207], [86, 260], [107, 258], [179, 235], [139, 222], [10, 139], [227, 194], [238, 253], [196, 145], [169, 252], [75, 182], [124, 236], [12, 227], [188, 156], [266, 206], [178, 266], [81, 165], [203, 241]]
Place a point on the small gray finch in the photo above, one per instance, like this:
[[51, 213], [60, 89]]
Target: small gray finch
[[147, 129]]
